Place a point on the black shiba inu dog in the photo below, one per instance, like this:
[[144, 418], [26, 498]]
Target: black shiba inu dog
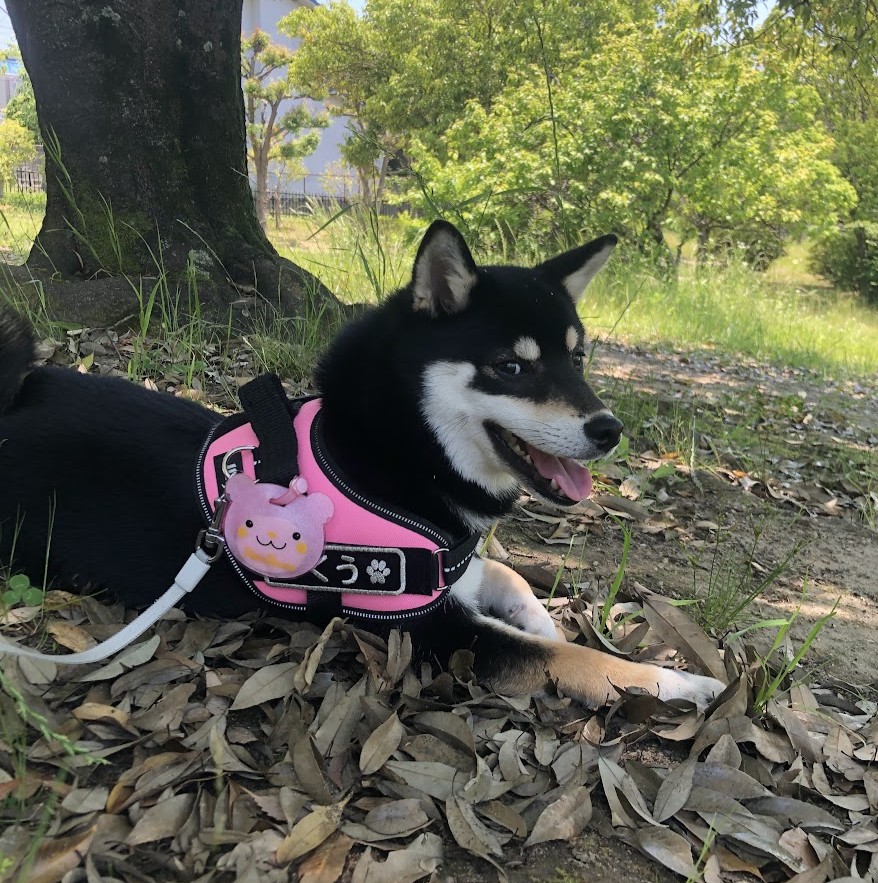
[[443, 401]]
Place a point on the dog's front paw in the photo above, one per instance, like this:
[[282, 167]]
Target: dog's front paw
[[530, 616], [683, 685]]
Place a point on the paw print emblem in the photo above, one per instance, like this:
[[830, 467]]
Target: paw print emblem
[[378, 571]]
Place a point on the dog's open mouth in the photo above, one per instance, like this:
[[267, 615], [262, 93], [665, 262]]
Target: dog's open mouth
[[560, 479]]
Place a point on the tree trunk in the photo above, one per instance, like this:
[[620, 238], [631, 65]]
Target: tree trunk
[[261, 148], [701, 251], [141, 110], [382, 179], [261, 163], [658, 248], [864, 282], [365, 176]]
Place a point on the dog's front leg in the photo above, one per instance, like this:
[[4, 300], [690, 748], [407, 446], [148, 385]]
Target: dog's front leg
[[517, 649], [514, 662], [494, 589]]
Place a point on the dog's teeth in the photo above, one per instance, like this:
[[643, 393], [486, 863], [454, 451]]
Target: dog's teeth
[[516, 445], [555, 485]]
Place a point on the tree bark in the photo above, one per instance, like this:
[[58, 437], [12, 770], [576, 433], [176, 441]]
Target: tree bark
[[863, 282], [382, 180], [657, 246], [141, 110], [701, 252], [261, 196], [260, 149]]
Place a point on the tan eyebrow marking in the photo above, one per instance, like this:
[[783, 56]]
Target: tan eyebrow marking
[[572, 338], [527, 348]]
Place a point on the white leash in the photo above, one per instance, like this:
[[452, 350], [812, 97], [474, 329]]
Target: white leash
[[207, 550]]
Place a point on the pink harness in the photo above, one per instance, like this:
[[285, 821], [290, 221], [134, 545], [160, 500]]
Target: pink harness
[[375, 562]]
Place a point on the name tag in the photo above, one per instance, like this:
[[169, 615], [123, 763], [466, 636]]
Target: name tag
[[370, 570]]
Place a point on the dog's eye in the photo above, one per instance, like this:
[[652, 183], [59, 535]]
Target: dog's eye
[[578, 360], [297, 536], [509, 368], [248, 523]]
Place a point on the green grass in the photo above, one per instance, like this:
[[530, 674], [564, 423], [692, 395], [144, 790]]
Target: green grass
[[291, 346], [725, 583], [785, 316], [780, 664], [20, 218], [355, 254], [736, 311]]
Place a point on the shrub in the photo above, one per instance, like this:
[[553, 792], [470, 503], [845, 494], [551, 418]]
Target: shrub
[[848, 256], [34, 201], [16, 147]]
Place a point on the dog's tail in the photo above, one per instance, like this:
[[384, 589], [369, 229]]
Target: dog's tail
[[16, 354]]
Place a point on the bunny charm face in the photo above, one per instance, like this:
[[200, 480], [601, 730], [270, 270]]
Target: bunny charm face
[[272, 530]]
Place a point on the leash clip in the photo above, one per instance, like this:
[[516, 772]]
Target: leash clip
[[211, 541]]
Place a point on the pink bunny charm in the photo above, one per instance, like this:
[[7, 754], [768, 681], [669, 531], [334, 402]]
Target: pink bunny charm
[[272, 530]]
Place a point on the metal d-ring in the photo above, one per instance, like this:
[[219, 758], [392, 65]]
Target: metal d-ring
[[229, 453]]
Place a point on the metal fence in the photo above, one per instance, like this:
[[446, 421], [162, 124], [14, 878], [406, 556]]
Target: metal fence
[[297, 203], [284, 202], [29, 181]]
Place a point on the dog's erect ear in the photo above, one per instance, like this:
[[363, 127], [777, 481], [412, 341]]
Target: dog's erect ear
[[576, 268], [444, 272]]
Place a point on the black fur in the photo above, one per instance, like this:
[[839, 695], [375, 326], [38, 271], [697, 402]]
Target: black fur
[[100, 472], [372, 374], [16, 355]]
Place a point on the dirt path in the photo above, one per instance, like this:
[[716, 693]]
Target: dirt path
[[838, 561], [805, 470]]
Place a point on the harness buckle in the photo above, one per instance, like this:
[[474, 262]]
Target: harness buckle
[[211, 541]]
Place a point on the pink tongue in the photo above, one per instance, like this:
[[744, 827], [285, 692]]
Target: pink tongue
[[572, 477]]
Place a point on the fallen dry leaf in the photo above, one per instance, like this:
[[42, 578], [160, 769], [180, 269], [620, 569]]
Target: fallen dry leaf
[[265, 684], [310, 832], [380, 745], [564, 818]]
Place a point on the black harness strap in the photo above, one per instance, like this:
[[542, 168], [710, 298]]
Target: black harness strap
[[265, 402], [455, 560], [322, 606], [266, 406]]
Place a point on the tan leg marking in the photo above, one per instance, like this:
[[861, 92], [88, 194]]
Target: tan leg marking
[[591, 676]]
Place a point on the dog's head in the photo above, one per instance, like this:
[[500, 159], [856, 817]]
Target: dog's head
[[503, 389]]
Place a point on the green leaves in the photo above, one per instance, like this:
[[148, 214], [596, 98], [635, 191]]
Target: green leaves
[[703, 141], [17, 146], [20, 591], [22, 106], [552, 120]]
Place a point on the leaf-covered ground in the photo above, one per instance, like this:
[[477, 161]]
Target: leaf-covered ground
[[265, 750]]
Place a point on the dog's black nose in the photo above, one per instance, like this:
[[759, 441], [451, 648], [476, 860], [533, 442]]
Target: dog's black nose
[[605, 431]]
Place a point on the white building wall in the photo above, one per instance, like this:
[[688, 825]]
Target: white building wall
[[9, 81], [324, 165], [8, 88]]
